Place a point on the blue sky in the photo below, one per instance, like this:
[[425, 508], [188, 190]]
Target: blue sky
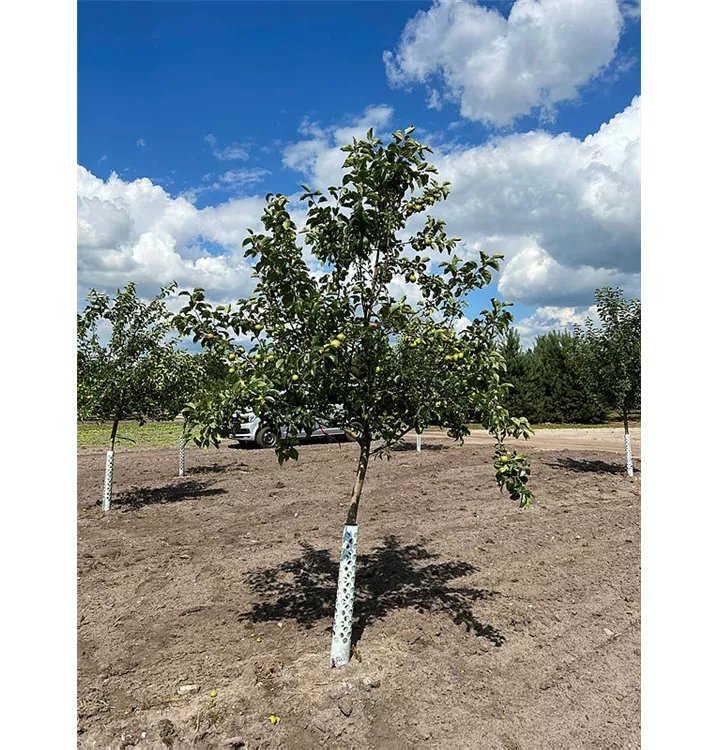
[[188, 113]]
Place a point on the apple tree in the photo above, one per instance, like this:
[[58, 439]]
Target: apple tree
[[191, 377], [330, 331], [610, 356], [128, 366]]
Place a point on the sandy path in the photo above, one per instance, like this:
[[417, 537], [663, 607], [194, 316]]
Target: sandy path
[[608, 439]]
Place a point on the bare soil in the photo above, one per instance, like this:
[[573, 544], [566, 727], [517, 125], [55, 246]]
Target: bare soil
[[477, 625], [592, 438]]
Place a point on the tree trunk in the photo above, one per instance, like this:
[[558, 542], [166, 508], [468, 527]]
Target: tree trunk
[[344, 609], [627, 438], [109, 468], [359, 481], [182, 442], [114, 434]]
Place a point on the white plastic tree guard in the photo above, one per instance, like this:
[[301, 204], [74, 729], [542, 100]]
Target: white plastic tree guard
[[107, 493], [629, 458], [418, 442], [182, 442], [344, 610]]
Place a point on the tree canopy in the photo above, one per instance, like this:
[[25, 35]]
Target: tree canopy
[[610, 352], [138, 372], [331, 328]]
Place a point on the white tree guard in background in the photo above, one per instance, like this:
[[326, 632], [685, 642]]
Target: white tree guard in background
[[182, 442], [418, 442], [107, 493], [629, 458], [344, 610]]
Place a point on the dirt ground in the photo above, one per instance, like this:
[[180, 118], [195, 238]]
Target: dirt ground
[[478, 625], [593, 438]]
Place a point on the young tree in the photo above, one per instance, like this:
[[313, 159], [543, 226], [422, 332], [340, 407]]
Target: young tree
[[334, 338], [192, 377], [610, 356], [137, 374]]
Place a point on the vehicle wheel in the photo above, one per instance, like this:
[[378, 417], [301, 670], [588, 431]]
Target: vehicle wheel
[[356, 428], [266, 438]]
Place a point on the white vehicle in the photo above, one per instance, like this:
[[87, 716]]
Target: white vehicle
[[251, 430]]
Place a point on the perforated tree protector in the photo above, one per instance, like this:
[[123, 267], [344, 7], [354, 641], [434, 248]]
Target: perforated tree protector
[[629, 457], [107, 493], [418, 442], [342, 631], [181, 455]]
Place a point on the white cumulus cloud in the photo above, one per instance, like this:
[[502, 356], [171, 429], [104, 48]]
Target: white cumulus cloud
[[631, 8], [319, 157], [136, 231], [564, 211], [500, 68], [549, 318], [533, 276]]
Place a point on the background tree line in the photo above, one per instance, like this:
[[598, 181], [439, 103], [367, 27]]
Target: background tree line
[[584, 377], [548, 385]]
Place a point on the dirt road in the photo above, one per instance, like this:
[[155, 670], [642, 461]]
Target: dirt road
[[608, 439]]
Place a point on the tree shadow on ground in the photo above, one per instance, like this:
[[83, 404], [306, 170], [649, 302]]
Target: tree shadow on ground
[[595, 466], [390, 577], [214, 468], [411, 446], [138, 497]]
